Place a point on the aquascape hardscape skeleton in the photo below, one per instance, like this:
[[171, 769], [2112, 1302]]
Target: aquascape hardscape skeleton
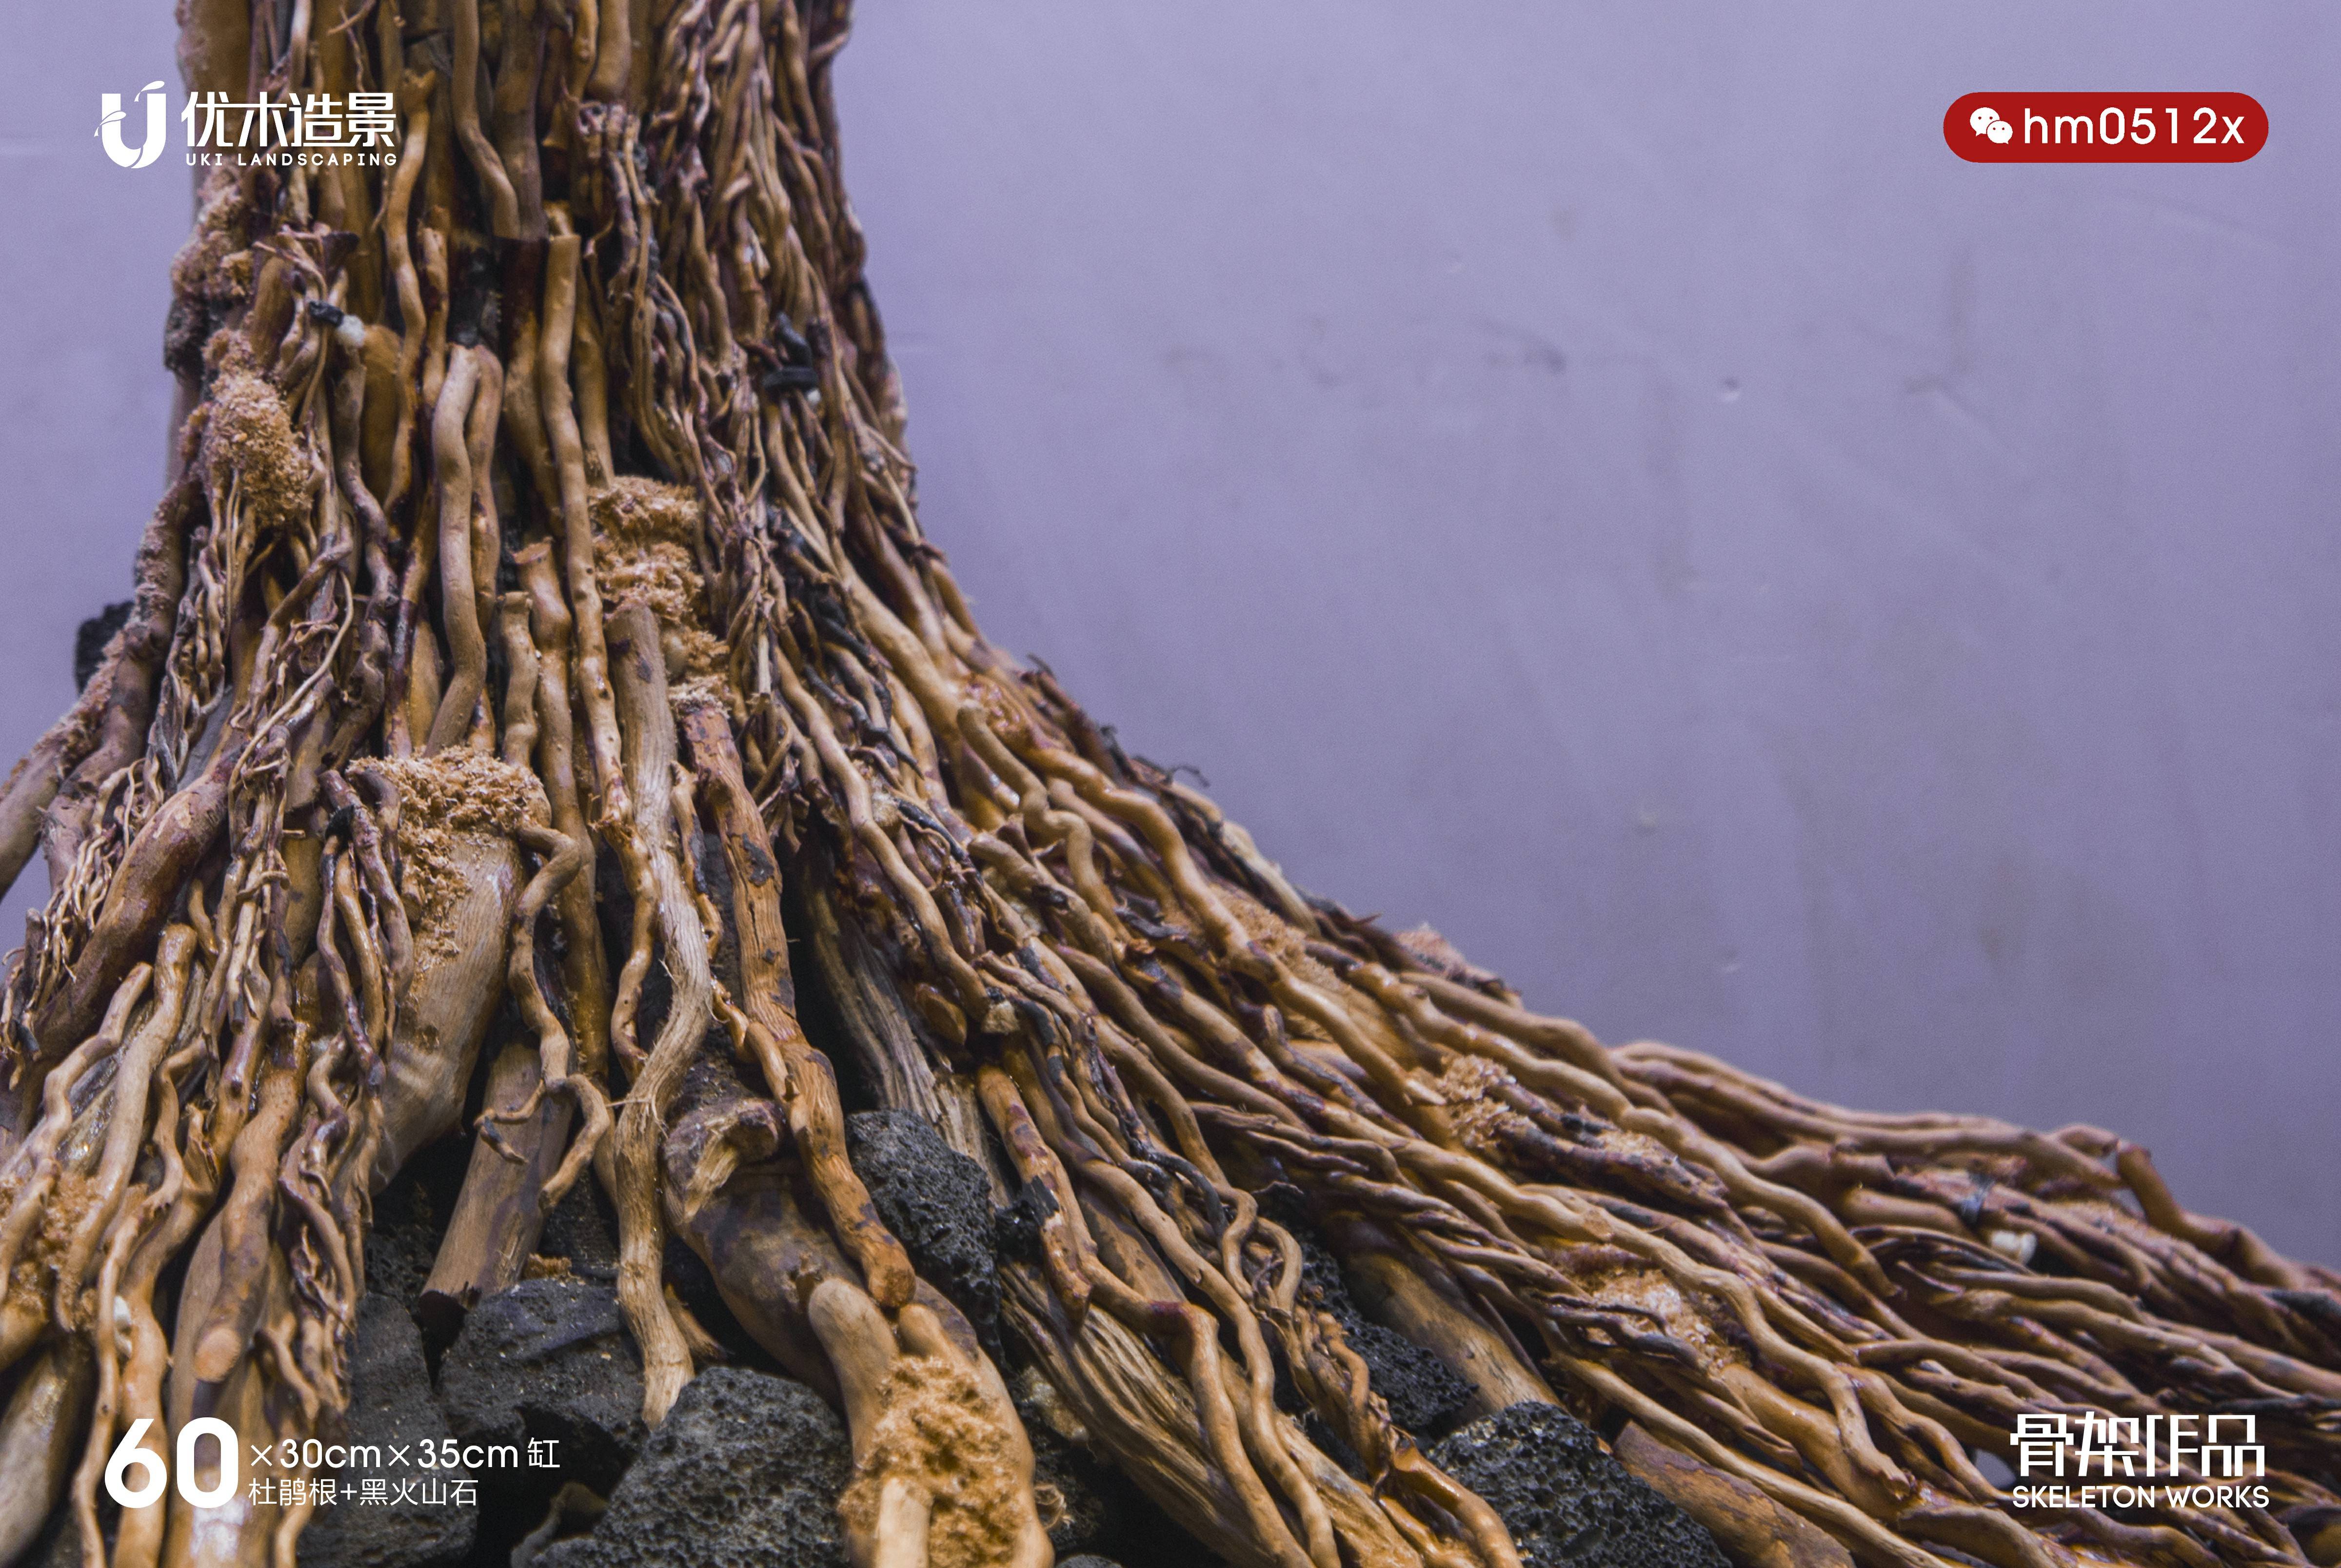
[[536, 655]]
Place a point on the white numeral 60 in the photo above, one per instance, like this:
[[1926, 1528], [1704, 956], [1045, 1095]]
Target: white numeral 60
[[128, 1455]]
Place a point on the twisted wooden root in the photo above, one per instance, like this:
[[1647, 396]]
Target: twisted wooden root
[[545, 496]]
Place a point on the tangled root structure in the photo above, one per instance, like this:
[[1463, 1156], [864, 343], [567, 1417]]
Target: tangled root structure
[[538, 671]]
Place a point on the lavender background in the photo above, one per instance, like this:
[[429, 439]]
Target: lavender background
[[1605, 481]]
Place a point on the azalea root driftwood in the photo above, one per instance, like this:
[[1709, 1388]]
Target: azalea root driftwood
[[539, 635]]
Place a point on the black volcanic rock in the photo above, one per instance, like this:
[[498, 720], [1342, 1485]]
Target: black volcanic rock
[[390, 1405], [548, 1359], [937, 1203], [1567, 1500], [743, 1472]]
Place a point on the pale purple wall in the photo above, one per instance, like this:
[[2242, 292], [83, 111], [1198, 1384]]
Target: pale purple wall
[[1604, 480]]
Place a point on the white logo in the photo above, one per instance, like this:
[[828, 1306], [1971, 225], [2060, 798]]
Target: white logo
[[2215, 1461], [321, 130], [109, 128], [1987, 122]]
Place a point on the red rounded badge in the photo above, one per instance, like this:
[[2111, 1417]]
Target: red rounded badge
[[2105, 128]]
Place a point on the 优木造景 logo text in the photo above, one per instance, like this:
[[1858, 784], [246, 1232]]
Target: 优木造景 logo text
[[319, 130]]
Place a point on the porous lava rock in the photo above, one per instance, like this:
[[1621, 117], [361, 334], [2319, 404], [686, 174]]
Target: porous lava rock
[[549, 1360], [1426, 1397], [391, 1407], [1424, 1393], [743, 1472], [938, 1203], [1567, 1500]]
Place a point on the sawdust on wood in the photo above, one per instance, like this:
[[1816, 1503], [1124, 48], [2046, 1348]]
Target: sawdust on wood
[[643, 534], [249, 438], [215, 264], [937, 1430], [445, 798], [1483, 1122]]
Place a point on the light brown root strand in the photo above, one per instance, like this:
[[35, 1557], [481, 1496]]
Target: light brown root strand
[[799, 1078], [415, 96], [459, 613], [34, 1163], [190, 1185], [1393, 1291], [52, 794], [126, 1131], [458, 985], [227, 1283], [584, 972], [649, 732], [39, 1430], [497, 1216], [561, 315]]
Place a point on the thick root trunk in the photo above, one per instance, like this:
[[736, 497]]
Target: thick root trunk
[[538, 627]]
